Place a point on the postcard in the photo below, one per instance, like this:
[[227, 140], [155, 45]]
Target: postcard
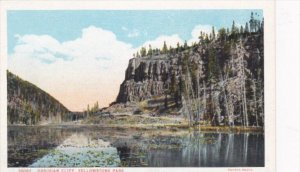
[[117, 86]]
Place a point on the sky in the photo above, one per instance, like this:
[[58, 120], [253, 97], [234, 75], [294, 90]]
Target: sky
[[80, 57]]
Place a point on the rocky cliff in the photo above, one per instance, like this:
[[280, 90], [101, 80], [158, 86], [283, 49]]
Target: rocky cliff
[[219, 80]]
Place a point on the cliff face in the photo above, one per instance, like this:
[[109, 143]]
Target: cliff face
[[28, 104], [218, 80], [144, 78]]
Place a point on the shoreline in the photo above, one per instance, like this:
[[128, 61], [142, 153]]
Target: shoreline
[[171, 127]]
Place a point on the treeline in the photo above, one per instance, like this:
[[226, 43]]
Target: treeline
[[91, 110], [227, 86], [223, 34]]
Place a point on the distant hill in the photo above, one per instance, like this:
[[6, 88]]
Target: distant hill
[[30, 105]]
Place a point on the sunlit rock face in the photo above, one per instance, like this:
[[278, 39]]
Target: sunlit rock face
[[226, 77], [81, 151], [145, 77]]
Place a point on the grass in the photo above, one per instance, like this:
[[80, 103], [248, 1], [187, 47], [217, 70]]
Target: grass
[[163, 122], [162, 119]]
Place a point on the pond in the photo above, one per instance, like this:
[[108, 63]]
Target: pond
[[94, 146]]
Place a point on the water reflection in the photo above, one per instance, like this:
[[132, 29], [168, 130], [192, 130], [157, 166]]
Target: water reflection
[[153, 148], [26, 144], [212, 150], [80, 150]]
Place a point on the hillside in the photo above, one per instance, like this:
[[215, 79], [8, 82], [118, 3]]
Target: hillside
[[28, 104]]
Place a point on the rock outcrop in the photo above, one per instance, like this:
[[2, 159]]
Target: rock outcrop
[[220, 80]]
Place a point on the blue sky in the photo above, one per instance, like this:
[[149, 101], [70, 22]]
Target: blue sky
[[80, 57], [143, 25]]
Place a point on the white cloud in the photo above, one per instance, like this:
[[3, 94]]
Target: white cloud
[[84, 70], [76, 72], [196, 32], [171, 40]]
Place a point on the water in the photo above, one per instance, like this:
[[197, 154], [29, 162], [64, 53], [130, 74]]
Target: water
[[92, 146]]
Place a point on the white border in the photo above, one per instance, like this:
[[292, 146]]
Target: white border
[[266, 5], [287, 85]]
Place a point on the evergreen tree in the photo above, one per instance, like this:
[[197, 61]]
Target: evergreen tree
[[242, 30], [170, 49], [234, 30], [222, 34], [150, 51], [165, 48], [201, 37], [227, 32], [246, 28], [143, 52], [88, 110], [262, 26], [257, 25], [206, 40], [252, 23], [97, 106], [185, 46], [178, 47], [213, 33]]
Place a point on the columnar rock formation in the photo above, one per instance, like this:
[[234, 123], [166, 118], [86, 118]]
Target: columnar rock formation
[[220, 80]]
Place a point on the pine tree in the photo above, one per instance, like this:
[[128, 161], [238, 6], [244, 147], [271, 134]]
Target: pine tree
[[170, 49], [97, 106], [262, 26], [206, 40], [234, 31], [246, 28], [242, 30], [222, 34], [213, 33], [88, 110], [201, 37], [233, 28], [150, 51], [165, 48], [185, 46], [252, 23], [143, 52], [178, 47]]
